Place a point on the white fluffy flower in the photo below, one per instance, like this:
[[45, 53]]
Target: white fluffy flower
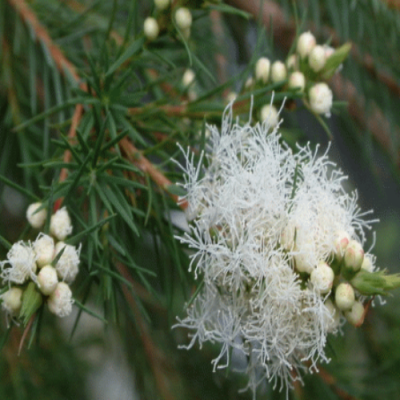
[[12, 301], [47, 280], [67, 265], [151, 28], [36, 218], [44, 249], [321, 99], [22, 263], [60, 224], [60, 301], [256, 208]]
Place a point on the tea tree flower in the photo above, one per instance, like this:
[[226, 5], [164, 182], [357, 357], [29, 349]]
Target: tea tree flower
[[317, 58], [278, 71], [47, 280], [356, 314], [67, 265], [12, 300], [263, 66], [151, 28], [44, 249], [60, 224], [321, 99], [183, 18], [36, 218], [188, 77], [60, 301], [344, 296], [305, 43], [269, 113], [297, 80], [161, 4]]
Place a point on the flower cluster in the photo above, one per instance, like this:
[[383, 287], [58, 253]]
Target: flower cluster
[[277, 242], [48, 262]]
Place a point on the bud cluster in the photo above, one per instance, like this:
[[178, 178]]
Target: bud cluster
[[41, 270]]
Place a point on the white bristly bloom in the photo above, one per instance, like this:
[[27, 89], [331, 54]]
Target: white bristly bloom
[[161, 4], [278, 71], [36, 219], [321, 99], [151, 28], [317, 58], [44, 249], [270, 114], [60, 224], [297, 80], [305, 44], [183, 18], [60, 301], [47, 280], [67, 265], [188, 77], [255, 209], [12, 301], [263, 66], [22, 263]]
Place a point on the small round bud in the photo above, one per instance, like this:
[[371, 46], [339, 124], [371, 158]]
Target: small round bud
[[317, 58], [270, 114], [367, 264], [322, 278], [67, 265], [354, 256], [341, 241], [12, 300], [47, 280], [183, 18], [321, 99], [297, 81], [263, 66], [305, 44], [188, 77], [249, 83], [292, 62], [278, 71], [332, 321], [21, 258], [344, 296], [161, 4], [60, 224], [44, 249], [151, 28], [356, 314], [60, 301], [303, 264], [231, 96], [36, 219]]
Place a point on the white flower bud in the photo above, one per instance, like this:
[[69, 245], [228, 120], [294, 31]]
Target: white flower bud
[[183, 18], [60, 224], [340, 243], [305, 44], [263, 66], [231, 96], [249, 83], [278, 71], [297, 80], [161, 4], [47, 280], [67, 265], [12, 300], [151, 28], [292, 62], [22, 258], [333, 320], [303, 263], [344, 296], [36, 219], [270, 114], [60, 301], [317, 58], [354, 256], [367, 264], [356, 314], [322, 278], [188, 77], [321, 99], [44, 249]]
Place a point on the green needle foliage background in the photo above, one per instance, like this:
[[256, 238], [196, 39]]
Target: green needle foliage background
[[115, 175]]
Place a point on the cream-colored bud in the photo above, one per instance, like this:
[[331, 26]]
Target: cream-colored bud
[[340, 243], [43, 247], [367, 264], [297, 81], [188, 77], [292, 62], [36, 219], [344, 296], [270, 114], [278, 71], [47, 280], [356, 314], [354, 256], [151, 28], [317, 58], [231, 96], [305, 44], [303, 264], [161, 4], [183, 18], [263, 66], [333, 320], [60, 301], [322, 278], [12, 300], [60, 224], [321, 99], [249, 83]]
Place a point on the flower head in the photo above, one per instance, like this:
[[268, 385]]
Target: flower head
[[67, 265], [321, 99], [12, 301], [60, 301], [44, 249], [265, 221], [60, 224], [36, 218], [151, 28]]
